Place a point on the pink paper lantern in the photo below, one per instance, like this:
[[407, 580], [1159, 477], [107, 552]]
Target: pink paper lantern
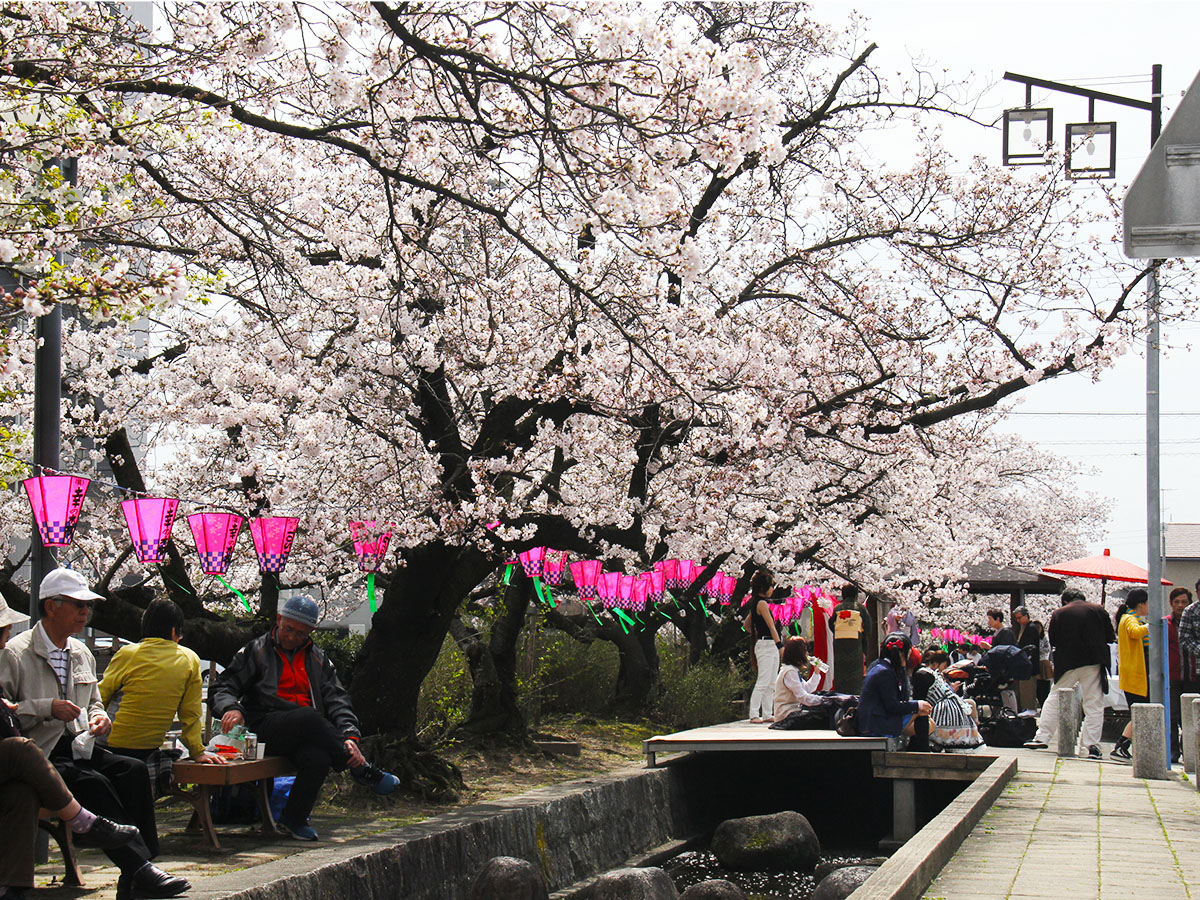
[[56, 501], [149, 520], [641, 591], [657, 586], [686, 573], [625, 592], [216, 535], [585, 574], [554, 567], [273, 536], [670, 571], [533, 561], [370, 544], [608, 588], [728, 585]]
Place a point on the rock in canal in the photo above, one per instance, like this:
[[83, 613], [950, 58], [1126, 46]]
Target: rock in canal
[[841, 883], [508, 878], [634, 884], [783, 840], [714, 889]]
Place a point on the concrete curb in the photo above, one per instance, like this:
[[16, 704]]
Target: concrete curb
[[913, 867]]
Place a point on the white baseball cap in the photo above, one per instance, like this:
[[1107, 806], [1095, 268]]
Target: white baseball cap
[[64, 582]]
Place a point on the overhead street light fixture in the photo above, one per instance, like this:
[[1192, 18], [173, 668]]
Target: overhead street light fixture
[[1091, 150], [1028, 134]]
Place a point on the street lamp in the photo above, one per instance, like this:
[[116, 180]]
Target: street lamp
[[1028, 134], [1084, 132], [1091, 150]]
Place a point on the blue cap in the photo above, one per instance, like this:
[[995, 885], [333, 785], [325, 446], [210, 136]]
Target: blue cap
[[301, 609]]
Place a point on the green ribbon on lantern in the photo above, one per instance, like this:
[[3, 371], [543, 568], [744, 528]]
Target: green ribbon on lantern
[[232, 589]]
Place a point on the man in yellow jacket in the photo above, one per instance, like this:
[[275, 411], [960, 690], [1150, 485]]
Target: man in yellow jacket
[[158, 680]]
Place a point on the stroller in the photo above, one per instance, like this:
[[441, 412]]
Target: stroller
[[986, 683]]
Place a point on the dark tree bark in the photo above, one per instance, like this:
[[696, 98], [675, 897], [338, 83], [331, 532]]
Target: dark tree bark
[[637, 676], [492, 658], [406, 635]]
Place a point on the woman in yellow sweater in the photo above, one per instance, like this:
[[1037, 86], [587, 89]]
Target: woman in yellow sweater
[[1133, 648], [158, 680]]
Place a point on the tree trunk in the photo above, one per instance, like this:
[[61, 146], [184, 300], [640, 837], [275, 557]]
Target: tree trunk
[[637, 677], [406, 636], [493, 662]]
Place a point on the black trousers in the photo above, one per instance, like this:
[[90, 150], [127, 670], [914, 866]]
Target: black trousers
[[118, 788], [313, 746], [1178, 689]]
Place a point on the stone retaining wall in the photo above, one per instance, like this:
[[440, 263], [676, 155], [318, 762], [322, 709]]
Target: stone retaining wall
[[571, 831]]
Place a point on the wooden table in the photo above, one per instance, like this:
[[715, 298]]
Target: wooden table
[[203, 777]]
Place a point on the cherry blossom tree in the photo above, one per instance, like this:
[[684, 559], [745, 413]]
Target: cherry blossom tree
[[623, 279]]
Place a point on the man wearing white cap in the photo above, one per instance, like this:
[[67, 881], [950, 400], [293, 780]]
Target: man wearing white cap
[[51, 677], [285, 689]]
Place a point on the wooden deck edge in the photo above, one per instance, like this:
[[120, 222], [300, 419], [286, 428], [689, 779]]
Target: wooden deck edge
[[912, 868]]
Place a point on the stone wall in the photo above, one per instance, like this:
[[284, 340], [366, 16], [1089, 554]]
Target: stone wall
[[570, 831]]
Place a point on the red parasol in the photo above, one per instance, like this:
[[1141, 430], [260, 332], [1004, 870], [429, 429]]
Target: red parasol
[[1106, 567]]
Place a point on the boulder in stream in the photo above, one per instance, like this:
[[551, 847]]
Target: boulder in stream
[[634, 884], [841, 883], [833, 865], [783, 840], [508, 878], [714, 889]]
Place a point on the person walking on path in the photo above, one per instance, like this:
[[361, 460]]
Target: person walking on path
[[1029, 638], [284, 688], [51, 677], [1080, 633], [1184, 676], [853, 631], [1133, 661], [158, 681], [760, 622]]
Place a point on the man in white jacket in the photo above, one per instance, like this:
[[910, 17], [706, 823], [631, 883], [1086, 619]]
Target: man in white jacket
[[51, 677]]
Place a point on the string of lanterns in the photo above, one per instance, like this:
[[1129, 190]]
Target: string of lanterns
[[56, 501]]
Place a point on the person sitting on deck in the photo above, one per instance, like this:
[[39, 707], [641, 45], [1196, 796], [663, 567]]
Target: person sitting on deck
[[285, 688], [885, 708], [798, 678]]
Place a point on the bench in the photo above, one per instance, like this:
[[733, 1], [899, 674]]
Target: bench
[[61, 832], [203, 777]]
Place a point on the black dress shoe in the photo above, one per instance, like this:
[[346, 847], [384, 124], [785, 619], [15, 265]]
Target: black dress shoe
[[105, 834], [149, 882]]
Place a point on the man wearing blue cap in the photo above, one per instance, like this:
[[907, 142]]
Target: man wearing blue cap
[[285, 689]]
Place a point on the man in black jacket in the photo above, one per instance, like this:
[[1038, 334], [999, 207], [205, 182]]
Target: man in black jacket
[[1080, 633], [284, 688]]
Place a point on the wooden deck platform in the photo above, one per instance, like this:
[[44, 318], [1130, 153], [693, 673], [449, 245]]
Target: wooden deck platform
[[745, 735]]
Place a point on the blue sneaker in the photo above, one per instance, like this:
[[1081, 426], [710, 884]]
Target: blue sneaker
[[381, 782], [301, 831]]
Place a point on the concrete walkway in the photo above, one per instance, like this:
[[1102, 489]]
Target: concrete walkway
[[1074, 829]]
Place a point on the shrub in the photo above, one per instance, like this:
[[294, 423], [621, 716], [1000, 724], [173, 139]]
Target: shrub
[[697, 695], [343, 652], [445, 697], [568, 676]]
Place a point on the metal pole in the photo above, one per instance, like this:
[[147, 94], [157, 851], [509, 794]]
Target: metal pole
[[1159, 690], [47, 398], [47, 413]]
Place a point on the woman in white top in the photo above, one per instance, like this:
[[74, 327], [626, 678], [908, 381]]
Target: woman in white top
[[797, 679]]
